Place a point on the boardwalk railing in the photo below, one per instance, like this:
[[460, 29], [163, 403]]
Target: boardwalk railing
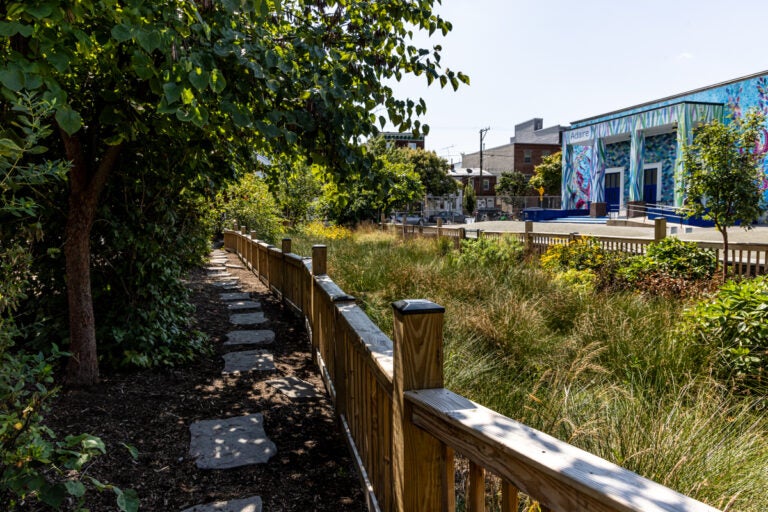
[[744, 259], [404, 428]]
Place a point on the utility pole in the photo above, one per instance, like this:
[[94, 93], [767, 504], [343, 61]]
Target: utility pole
[[483, 131]]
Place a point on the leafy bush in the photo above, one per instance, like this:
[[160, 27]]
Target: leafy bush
[[674, 258], [583, 253], [35, 466], [500, 253], [249, 203], [735, 323], [320, 230]]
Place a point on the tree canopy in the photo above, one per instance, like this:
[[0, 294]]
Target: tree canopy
[[206, 83], [723, 175], [548, 174], [433, 172]]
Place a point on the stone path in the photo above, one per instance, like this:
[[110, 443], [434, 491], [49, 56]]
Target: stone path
[[223, 443]]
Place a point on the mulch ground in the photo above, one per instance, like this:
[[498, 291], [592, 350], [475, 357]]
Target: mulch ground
[[152, 410]]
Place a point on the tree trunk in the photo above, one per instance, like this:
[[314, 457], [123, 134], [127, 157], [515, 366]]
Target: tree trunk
[[724, 232], [85, 185], [83, 365]]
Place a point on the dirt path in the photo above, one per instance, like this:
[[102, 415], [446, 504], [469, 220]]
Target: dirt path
[[152, 410]]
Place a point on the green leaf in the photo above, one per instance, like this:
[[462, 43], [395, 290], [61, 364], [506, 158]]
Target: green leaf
[[149, 40], [121, 33], [142, 65], [128, 500], [40, 10], [217, 81], [187, 96], [199, 78], [8, 29], [132, 450], [68, 119], [12, 78], [172, 92], [75, 488], [9, 149]]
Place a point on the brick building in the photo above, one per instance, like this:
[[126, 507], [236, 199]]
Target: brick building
[[525, 150]]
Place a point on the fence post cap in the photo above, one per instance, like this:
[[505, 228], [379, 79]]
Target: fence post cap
[[417, 307]]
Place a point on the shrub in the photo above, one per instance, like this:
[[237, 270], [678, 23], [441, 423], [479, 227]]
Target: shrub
[[249, 203], [319, 230], [584, 253], [735, 323], [35, 466], [675, 258], [500, 253]]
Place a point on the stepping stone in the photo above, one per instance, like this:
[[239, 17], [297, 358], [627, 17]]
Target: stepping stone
[[262, 337], [228, 285], [235, 296], [244, 304], [295, 388], [230, 443], [233, 265], [248, 318], [252, 504], [248, 361]]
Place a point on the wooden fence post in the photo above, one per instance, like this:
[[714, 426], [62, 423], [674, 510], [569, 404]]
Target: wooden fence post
[[529, 237], [418, 459], [254, 252], [319, 268], [286, 246], [659, 229], [439, 227]]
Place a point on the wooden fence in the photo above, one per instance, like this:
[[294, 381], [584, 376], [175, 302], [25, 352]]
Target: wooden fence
[[404, 428], [744, 259]]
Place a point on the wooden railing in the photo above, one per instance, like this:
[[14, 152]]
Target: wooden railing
[[403, 427], [744, 259]]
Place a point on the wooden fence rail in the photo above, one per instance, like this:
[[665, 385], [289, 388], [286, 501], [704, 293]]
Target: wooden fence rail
[[744, 259], [403, 427]]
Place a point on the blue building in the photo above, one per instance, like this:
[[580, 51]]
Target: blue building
[[633, 156]]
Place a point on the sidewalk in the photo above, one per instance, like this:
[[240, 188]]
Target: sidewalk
[[757, 234]]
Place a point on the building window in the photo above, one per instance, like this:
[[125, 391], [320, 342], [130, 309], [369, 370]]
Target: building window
[[486, 184], [413, 145], [544, 153], [527, 156]]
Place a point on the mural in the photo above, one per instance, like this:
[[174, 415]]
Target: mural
[[663, 148], [727, 102]]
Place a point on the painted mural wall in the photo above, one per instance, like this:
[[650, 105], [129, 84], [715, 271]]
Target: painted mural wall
[[737, 97]]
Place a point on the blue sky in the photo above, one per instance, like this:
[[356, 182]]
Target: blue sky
[[566, 60]]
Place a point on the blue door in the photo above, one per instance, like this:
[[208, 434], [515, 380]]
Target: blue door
[[651, 177], [613, 190]]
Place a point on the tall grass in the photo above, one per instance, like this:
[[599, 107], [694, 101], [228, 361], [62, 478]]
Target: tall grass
[[603, 372]]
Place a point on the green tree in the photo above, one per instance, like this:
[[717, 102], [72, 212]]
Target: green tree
[[390, 182], [35, 467], [548, 174], [207, 81], [469, 200], [248, 202], [512, 184], [722, 174], [297, 190], [432, 171]]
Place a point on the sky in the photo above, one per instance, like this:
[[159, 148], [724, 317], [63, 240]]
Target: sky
[[565, 60]]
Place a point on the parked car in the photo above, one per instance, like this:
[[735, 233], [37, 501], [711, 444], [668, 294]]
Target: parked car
[[449, 217], [410, 218], [484, 214]]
